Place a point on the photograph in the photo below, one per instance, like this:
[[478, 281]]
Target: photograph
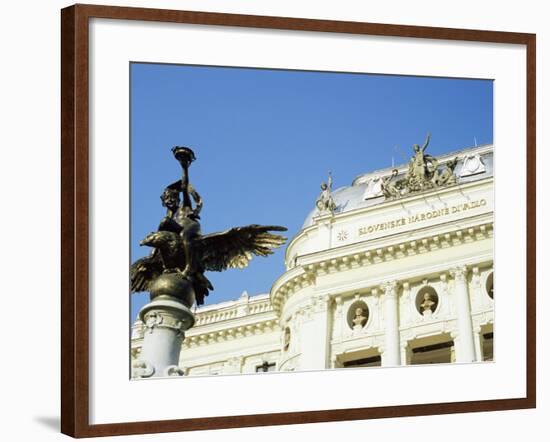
[[294, 220], [271, 220]]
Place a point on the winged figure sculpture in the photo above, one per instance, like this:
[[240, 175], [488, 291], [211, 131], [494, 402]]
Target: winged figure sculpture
[[180, 248], [233, 248]]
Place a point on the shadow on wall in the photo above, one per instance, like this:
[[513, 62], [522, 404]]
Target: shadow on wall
[[50, 422]]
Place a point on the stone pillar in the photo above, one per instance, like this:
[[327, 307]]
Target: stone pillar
[[466, 347], [165, 320], [340, 318], [315, 335], [392, 349], [453, 348], [405, 353], [478, 340]]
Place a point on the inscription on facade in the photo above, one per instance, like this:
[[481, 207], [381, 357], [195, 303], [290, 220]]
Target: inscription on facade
[[419, 217]]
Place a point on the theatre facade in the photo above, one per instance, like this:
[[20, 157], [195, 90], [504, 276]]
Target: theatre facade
[[395, 269]]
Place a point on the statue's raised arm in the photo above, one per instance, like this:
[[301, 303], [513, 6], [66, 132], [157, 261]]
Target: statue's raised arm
[[426, 142], [185, 157]]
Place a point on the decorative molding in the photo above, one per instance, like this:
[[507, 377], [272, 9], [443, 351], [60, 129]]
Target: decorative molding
[[142, 369], [339, 302], [135, 352], [472, 165], [390, 289], [303, 276], [174, 370], [459, 273], [161, 319], [234, 332], [235, 362], [320, 304]]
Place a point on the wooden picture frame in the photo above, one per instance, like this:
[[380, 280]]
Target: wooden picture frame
[[75, 246]]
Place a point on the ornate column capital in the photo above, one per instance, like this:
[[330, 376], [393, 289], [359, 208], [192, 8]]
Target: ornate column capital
[[459, 272], [389, 288], [321, 303], [339, 303], [156, 319], [165, 320]]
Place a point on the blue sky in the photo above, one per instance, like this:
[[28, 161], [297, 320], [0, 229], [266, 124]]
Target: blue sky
[[265, 139]]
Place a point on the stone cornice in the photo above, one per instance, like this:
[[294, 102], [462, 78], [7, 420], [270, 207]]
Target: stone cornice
[[396, 238], [386, 205], [365, 254], [459, 273]]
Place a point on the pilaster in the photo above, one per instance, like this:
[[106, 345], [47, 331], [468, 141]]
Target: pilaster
[[466, 349]]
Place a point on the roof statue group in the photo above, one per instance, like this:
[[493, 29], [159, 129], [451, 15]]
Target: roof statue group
[[424, 173], [181, 253]]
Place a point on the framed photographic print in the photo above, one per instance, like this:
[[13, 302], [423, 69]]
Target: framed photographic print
[[272, 220]]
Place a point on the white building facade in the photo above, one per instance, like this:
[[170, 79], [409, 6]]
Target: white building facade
[[381, 278]]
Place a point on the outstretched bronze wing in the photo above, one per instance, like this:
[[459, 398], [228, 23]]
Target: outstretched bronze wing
[[144, 271], [236, 247]]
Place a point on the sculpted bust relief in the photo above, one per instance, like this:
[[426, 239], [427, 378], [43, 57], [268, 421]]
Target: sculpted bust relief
[[428, 305], [360, 318]]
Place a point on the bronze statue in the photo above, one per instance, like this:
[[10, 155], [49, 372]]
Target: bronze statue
[[180, 249]]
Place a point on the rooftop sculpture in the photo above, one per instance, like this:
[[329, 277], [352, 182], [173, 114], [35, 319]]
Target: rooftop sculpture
[[424, 173], [325, 203]]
